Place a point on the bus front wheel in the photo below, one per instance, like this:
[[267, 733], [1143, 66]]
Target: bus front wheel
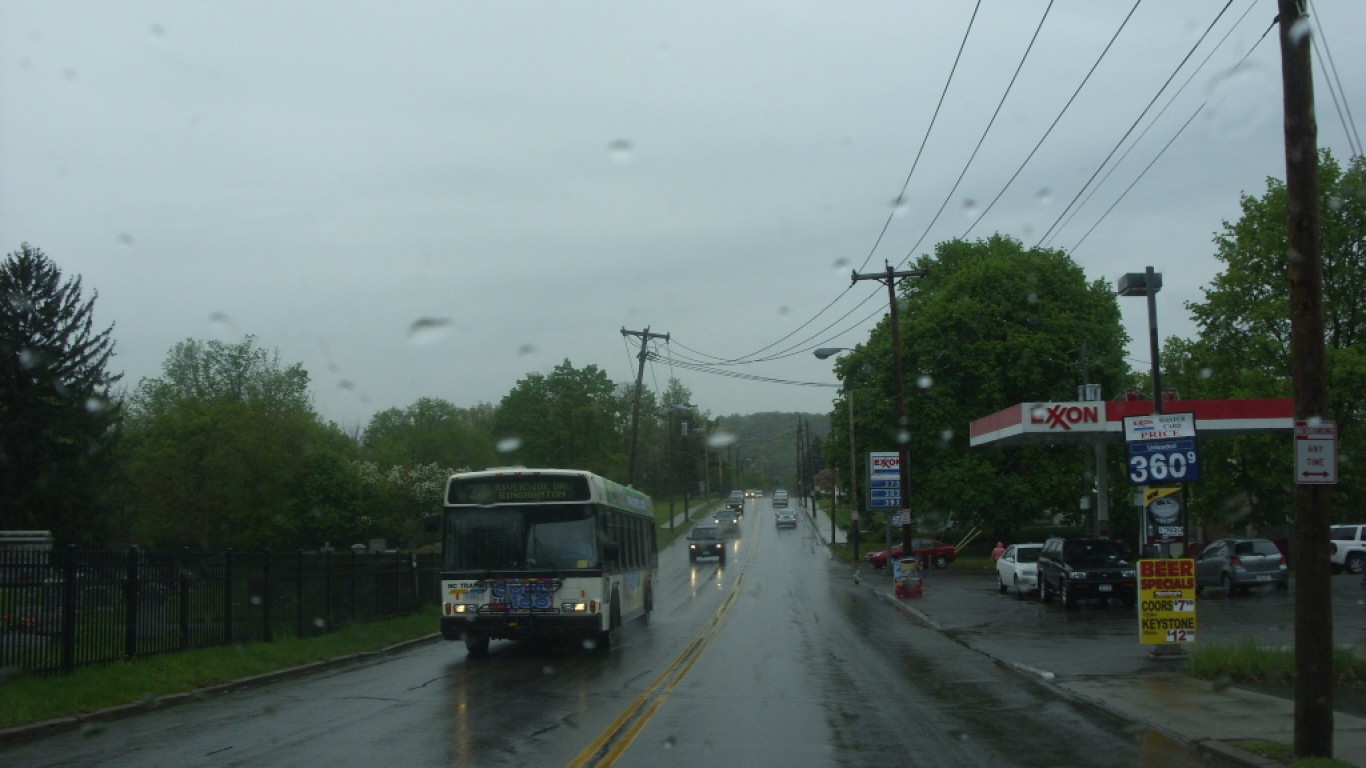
[[476, 645]]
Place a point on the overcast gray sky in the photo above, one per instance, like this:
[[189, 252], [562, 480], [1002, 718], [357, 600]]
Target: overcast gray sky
[[436, 198]]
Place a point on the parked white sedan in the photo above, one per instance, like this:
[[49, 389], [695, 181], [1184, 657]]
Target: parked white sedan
[[1019, 568]]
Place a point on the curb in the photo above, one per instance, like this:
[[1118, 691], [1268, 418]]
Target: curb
[[93, 722]]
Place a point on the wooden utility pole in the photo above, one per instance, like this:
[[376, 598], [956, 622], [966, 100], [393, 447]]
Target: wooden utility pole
[[1313, 578], [903, 430], [645, 337]]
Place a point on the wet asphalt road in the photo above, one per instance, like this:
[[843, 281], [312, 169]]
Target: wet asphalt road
[[778, 658]]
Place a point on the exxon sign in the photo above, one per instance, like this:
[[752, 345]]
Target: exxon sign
[[1065, 417]]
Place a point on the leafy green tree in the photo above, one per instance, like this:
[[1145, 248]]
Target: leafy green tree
[[991, 324], [58, 417], [571, 418], [224, 449], [1243, 349], [430, 431]]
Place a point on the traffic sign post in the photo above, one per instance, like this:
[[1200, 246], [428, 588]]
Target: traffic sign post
[[1316, 452]]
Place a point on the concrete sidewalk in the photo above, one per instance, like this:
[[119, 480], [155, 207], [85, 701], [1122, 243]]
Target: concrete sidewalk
[[1210, 717], [821, 521]]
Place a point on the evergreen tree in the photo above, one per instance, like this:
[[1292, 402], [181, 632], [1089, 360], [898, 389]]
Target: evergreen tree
[[57, 416]]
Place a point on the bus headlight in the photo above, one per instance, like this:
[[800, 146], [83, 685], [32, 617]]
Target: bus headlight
[[462, 608], [574, 607]]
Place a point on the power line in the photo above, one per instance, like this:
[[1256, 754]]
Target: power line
[[753, 356], [1135, 123], [1054, 124], [1179, 131], [983, 137], [900, 199], [1351, 134]]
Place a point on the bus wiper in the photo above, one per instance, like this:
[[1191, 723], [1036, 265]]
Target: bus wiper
[[541, 549]]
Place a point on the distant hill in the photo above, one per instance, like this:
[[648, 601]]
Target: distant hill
[[766, 445]]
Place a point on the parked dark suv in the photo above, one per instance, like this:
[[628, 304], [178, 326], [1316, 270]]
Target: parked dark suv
[[1086, 568]]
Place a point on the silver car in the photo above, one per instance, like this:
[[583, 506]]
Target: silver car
[[1237, 565]]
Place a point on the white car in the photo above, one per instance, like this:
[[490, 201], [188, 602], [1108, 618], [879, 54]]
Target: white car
[[786, 518], [1019, 568]]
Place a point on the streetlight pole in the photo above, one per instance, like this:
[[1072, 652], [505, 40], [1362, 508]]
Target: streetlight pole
[[822, 354], [1146, 283]]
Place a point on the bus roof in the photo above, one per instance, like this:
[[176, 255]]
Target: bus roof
[[504, 485]]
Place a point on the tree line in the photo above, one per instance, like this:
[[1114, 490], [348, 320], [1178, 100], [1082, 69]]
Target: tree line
[[224, 447]]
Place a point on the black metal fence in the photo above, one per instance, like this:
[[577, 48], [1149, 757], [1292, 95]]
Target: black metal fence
[[65, 609]]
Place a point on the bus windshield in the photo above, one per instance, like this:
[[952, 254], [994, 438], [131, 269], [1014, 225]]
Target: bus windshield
[[520, 538]]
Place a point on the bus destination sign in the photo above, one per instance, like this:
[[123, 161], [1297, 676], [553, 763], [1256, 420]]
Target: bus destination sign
[[515, 489]]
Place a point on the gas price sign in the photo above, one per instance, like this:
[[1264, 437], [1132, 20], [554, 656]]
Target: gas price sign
[[1162, 448], [1163, 461]]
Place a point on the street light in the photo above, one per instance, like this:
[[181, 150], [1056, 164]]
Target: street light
[[822, 354], [1147, 283]]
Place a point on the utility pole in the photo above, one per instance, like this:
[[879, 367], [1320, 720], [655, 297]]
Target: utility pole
[[903, 432], [1313, 581], [645, 337]]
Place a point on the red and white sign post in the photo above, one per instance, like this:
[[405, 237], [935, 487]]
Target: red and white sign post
[[1316, 452]]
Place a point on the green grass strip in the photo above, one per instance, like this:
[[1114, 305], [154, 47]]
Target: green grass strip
[[31, 699]]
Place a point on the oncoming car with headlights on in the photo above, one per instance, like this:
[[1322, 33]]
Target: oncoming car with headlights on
[[705, 541]]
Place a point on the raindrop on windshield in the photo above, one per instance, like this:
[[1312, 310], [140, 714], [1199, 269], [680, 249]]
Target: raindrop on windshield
[[1299, 31], [428, 330], [970, 208], [722, 439], [526, 349], [97, 404], [1206, 373], [1044, 196], [621, 151], [509, 444], [126, 239], [842, 263], [925, 381], [222, 328], [900, 207]]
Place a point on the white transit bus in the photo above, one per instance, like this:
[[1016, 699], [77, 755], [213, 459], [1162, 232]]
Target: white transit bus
[[544, 553]]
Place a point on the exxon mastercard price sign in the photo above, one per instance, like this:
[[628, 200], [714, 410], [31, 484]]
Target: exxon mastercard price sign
[[1159, 426], [884, 480]]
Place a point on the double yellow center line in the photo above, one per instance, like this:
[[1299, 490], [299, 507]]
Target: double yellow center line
[[609, 746]]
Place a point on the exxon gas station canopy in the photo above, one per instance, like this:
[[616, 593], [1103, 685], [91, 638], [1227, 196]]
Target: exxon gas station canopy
[[1080, 423]]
